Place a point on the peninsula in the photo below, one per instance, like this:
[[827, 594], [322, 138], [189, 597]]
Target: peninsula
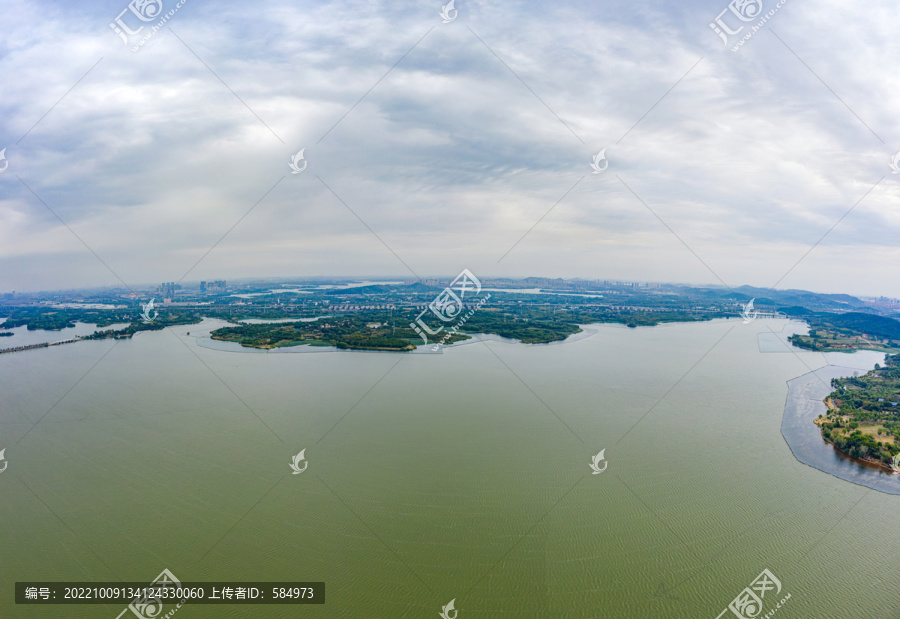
[[863, 417]]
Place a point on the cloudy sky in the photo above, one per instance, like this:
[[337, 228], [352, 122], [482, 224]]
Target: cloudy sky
[[431, 147]]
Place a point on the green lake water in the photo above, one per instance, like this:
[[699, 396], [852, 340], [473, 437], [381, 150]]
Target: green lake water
[[463, 475]]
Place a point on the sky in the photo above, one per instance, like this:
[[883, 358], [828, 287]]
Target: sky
[[430, 147]]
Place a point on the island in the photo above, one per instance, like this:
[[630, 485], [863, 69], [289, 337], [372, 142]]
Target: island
[[354, 332], [393, 330]]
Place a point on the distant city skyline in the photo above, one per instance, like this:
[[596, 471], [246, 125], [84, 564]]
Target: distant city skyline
[[170, 289]]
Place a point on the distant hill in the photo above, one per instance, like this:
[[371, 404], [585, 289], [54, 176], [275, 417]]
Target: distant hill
[[870, 324], [781, 299], [803, 297], [849, 322]]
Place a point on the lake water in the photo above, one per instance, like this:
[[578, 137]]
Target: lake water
[[21, 336], [463, 475]]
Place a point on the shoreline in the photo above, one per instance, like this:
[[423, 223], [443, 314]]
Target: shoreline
[[874, 463], [805, 401], [829, 405], [39, 345], [209, 342]]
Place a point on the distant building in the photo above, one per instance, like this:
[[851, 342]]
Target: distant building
[[214, 286], [167, 289]]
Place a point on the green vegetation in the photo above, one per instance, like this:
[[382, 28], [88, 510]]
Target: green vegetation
[[511, 312], [646, 319], [850, 331], [368, 331], [528, 324], [56, 320], [163, 320], [524, 318], [863, 418], [235, 314]]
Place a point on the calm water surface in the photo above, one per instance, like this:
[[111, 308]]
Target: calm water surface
[[21, 336], [463, 475]]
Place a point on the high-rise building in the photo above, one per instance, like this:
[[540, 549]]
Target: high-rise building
[[218, 285], [167, 290]]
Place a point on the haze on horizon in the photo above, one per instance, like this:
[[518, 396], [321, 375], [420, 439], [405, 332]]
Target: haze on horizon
[[474, 151]]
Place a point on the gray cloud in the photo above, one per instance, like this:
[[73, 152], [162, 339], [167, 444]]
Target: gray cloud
[[750, 159]]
